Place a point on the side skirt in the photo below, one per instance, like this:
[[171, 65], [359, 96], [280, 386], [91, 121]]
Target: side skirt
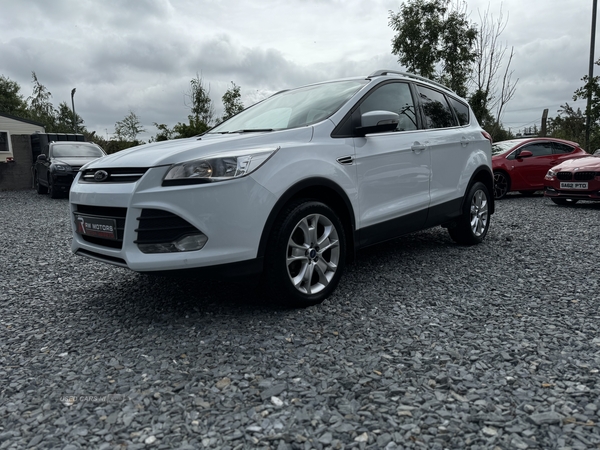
[[443, 214]]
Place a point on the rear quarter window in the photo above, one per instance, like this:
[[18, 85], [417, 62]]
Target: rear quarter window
[[461, 110], [562, 148]]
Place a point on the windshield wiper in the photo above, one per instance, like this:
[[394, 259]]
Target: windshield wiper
[[252, 130], [246, 130]]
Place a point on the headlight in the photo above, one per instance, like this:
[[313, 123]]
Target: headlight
[[551, 174], [218, 168], [61, 167]]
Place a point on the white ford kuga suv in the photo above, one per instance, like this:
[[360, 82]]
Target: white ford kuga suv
[[293, 186]]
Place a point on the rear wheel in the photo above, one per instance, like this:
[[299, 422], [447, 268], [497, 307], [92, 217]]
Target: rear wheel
[[306, 254], [501, 184], [564, 201], [38, 187], [473, 226]]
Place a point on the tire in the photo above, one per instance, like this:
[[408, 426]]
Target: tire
[[474, 223], [53, 192], [38, 187], [501, 185], [306, 254], [564, 201]]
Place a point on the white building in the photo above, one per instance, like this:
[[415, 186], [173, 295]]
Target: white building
[[11, 126]]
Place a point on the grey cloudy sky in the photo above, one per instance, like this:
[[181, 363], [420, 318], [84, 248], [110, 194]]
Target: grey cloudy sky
[[140, 55]]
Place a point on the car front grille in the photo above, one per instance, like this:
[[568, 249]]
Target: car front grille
[[584, 176], [579, 176], [113, 175], [157, 226], [564, 176], [106, 213]]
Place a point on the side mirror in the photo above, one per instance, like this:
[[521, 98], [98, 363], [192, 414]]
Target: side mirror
[[377, 122], [525, 154], [42, 158]]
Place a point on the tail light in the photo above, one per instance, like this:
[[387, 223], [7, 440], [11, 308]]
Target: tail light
[[488, 136]]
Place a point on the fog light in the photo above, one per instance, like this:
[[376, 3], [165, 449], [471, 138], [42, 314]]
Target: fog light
[[188, 243], [191, 242]]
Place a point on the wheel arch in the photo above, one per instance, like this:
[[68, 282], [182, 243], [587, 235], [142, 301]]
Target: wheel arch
[[319, 189], [486, 176]]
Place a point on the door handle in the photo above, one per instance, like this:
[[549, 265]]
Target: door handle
[[417, 147]]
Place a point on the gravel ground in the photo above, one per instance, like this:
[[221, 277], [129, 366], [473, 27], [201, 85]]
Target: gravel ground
[[425, 344]]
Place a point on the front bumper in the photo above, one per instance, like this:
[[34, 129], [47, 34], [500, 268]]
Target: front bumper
[[62, 181], [232, 214], [593, 194]]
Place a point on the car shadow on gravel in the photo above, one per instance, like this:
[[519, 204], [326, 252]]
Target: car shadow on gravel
[[150, 298], [160, 296], [582, 205]]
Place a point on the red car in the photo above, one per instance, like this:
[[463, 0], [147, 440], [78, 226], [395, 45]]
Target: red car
[[521, 164], [574, 180]]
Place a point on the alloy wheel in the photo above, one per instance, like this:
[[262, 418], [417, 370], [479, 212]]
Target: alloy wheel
[[313, 254], [479, 213], [500, 185]]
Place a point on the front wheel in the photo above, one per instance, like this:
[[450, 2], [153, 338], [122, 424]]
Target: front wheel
[[54, 193], [564, 201], [306, 254], [474, 223], [501, 185]]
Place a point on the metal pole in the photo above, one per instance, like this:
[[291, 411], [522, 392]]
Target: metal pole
[[73, 104], [590, 78]]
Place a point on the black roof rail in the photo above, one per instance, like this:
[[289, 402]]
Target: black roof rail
[[382, 72]]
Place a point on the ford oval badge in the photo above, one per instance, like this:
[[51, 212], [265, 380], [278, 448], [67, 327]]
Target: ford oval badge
[[100, 175]]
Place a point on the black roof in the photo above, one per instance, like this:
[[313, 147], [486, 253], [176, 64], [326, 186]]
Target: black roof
[[21, 119]]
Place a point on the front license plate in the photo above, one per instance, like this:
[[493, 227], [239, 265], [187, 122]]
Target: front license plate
[[572, 185], [96, 227]]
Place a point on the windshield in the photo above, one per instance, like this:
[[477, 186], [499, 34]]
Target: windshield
[[501, 147], [291, 109], [76, 151]]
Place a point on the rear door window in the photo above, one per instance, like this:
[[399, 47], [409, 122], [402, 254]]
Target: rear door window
[[436, 109]]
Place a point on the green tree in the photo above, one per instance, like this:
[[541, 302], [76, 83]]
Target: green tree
[[63, 120], [569, 125], [194, 127], [582, 94], [40, 106], [201, 105], [428, 34], [479, 102], [129, 128], [457, 54], [91, 136], [201, 109], [418, 26], [11, 101], [232, 102], [164, 133]]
